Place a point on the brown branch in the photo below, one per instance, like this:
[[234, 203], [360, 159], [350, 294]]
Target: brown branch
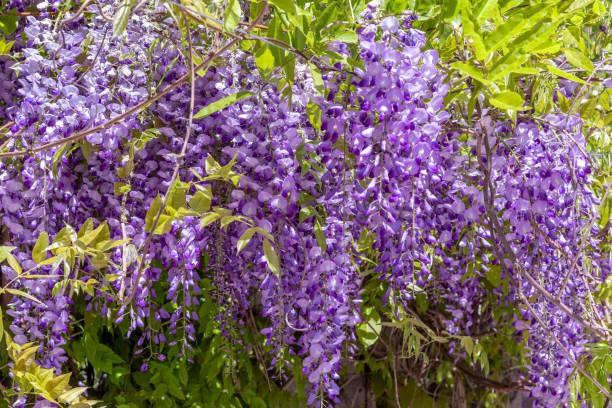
[[490, 383], [497, 229], [561, 346]]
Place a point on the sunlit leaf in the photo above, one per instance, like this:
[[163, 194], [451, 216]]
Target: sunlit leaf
[[152, 213], [231, 15], [122, 15], [271, 258], [39, 253], [508, 100], [222, 104]]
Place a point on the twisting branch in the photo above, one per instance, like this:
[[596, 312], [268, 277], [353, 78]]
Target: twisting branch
[[497, 230], [180, 158], [135, 109], [583, 244], [561, 346]]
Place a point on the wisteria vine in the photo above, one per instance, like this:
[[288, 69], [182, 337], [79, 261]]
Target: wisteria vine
[[359, 173]]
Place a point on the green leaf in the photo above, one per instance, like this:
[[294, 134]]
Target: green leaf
[[64, 149], [200, 201], [222, 104], [508, 63], [8, 24], [164, 225], [5, 253], [514, 26], [314, 115], [152, 213], [72, 395], [468, 344], [485, 10], [450, 9], [554, 70], [209, 218], [17, 292], [317, 79], [271, 258], [265, 60], [508, 100], [121, 188], [122, 15], [86, 149], [231, 15], [39, 253], [493, 275], [471, 71], [578, 59], [5, 47], [325, 17], [320, 236], [307, 212], [176, 195], [245, 238], [285, 5]]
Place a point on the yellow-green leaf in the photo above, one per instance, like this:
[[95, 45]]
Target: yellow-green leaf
[[5, 253], [508, 100], [1, 324], [39, 253], [96, 236], [471, 71], [598, 8], [152, 213], [18, 292], [285, 5], [164, 225], [578, 59], [121, 188], [554, 70], [314, 115], [176, 195], [5, 47], [231, 15], [85, 228], [265, 59], [486, 9], [72, 395], [208, 218], [222, 104], [271, 258], [56, 386], [245, 238]]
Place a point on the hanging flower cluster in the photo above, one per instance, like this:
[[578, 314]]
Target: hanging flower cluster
[[456, 215]]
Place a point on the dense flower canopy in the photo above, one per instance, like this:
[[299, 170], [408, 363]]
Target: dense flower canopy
[[291, 200]]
